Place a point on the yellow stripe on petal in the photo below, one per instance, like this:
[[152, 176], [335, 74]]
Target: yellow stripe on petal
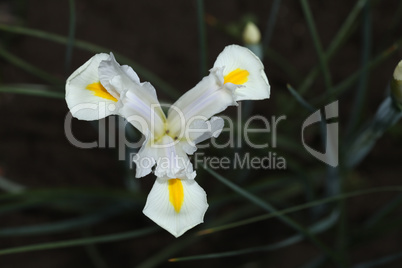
[[176, 194], [237, 77], [99, 91]]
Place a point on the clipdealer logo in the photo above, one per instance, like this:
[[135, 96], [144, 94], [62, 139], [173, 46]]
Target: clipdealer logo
[[331, 137]]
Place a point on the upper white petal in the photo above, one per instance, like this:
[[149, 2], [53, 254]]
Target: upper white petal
[[213, 128], [206, 99], [141, 108], [159, 209], [83, 103], [199, 131], [236, 57], [115, 78]]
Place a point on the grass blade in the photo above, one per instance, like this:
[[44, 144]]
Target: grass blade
[[32, 90], [81, 242], [302, 207], [271, 23], [146, 74], [202, 38], [361, 92], [71, 36], [344, 85], [20, 63], [316, 228], [66, 225], [317, 43], [263, 204]]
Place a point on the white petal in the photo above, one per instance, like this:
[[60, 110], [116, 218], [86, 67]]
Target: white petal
[[146, 157], [206, 99], [141, 107], [161, 209], [86, 97], [213, 128], [235, 57], [200, 131], [115, 78]]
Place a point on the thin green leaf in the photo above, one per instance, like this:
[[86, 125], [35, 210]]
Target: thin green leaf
[[383, 212], [300, 99], [71, 36], [380, 261], [202, 38], [301, 207], [341, 36], [146, 74], [360, 96], [32, 90], [10, 186], [316, 228], [345, 84], [66, 225], [28, 67], [271, 22], [317, 43], [265, 205], [81, 242]]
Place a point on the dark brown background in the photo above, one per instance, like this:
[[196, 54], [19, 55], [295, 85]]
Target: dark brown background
[[162, 36]]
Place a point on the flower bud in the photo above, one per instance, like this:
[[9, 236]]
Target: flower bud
[[251, 34], [396, 84]]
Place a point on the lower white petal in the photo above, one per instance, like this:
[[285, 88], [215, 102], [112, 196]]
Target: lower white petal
[[176, 205], [243, 68]]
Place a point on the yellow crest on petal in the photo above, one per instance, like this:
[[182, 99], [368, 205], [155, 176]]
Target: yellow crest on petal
[[237, 77], [176, 194], [99, 91]]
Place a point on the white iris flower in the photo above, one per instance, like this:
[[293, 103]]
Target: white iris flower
[[102, 87]]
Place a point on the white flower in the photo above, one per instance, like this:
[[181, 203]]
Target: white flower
[[102, 87]]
